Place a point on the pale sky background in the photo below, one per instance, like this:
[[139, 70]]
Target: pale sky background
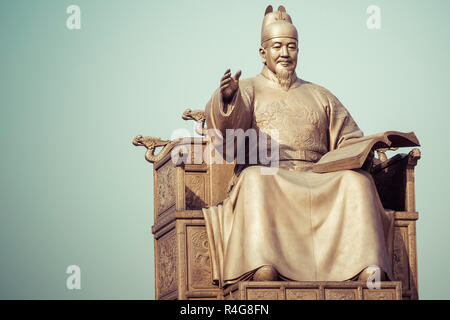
[[75, 191]]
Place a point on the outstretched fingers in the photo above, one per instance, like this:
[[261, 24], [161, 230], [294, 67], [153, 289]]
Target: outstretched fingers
[[237, 75], [223, 87], [227, 74], [226, 81]]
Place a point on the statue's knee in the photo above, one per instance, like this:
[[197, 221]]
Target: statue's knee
[[358, 178], [252, 172]]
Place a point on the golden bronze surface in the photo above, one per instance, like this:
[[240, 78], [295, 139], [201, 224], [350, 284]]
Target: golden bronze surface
[[317, 230]]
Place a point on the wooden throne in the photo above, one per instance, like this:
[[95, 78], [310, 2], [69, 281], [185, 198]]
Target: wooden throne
[[182, 260]]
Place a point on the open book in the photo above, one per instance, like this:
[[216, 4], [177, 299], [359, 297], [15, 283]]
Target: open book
[[353, 153]]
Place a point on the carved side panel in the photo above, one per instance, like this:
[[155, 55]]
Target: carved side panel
[[379, 294], [199, 265], [341, 294], [203, 298], [262, 294], [167, 271], [312, 290], [165, 187], [302, 294], [405, 257], [195, 189], [401, 268]]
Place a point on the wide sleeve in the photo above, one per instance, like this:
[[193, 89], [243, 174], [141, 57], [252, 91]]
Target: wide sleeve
[[342, 127], [236, 114]]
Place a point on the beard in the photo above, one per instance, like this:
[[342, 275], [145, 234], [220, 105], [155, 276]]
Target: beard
[[284, 76]]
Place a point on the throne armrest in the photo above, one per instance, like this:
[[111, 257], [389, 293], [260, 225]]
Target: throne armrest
[[394, 179]]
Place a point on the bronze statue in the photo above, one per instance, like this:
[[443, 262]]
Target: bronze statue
[[318, 211], [294, 224]]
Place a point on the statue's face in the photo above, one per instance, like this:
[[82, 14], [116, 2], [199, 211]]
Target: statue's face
[[281, 53]]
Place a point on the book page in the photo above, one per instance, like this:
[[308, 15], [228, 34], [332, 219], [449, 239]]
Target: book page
[[354, 150]]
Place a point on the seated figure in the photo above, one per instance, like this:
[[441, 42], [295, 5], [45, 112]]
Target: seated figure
[[292, 224]]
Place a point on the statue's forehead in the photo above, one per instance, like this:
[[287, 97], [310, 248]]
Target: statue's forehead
[[282, 40]]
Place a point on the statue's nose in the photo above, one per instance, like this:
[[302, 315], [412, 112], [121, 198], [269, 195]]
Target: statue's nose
[[284, 51]]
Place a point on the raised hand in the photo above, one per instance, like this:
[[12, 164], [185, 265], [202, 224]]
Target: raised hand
[[229, 85]]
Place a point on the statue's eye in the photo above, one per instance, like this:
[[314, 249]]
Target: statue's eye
[[276, 46], [292, 46]]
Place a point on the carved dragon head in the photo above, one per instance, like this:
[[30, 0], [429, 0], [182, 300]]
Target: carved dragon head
[[197, 115], [149, 142]]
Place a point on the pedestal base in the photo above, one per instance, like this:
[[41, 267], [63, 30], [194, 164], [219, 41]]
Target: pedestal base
[[316, 290]]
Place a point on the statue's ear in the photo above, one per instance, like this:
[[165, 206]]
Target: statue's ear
[[262, 53]]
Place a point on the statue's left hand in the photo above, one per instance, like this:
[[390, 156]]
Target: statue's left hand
[[369, 161]]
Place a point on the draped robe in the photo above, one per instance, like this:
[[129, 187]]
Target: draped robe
[[309, 226]]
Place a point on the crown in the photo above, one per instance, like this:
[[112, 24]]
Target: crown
[[277, 24]]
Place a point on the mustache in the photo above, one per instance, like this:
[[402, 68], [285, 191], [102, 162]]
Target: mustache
[[284, 60]]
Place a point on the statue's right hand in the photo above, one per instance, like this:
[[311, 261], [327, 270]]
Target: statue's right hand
[[229, 85]]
